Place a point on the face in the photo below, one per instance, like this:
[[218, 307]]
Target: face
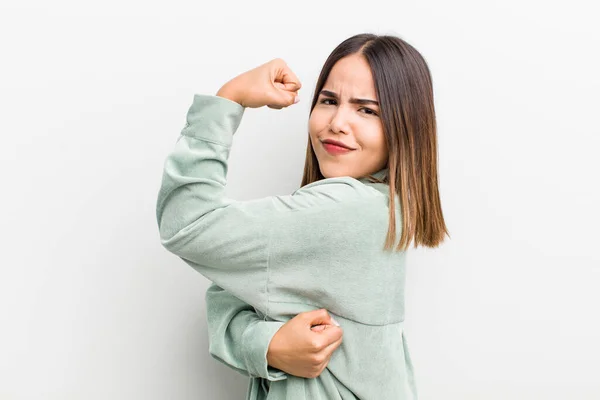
[[347, 112]]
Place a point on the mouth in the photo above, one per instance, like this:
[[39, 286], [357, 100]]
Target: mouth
[[336, 143], [335, 149]]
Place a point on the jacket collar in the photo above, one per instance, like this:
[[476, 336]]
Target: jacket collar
[[380, 175]]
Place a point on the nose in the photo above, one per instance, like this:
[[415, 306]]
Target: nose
[[339, 121]]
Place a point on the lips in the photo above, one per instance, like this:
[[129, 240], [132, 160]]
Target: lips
[[336, 143], [335, 150]]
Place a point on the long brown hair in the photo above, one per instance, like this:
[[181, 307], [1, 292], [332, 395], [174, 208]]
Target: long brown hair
[[404, 88]]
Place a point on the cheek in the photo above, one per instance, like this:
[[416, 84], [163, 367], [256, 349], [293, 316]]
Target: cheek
[[311, 126], [383, 149], [380, 139], [312, 130], [382, 143], [374, 140], [317, 121]]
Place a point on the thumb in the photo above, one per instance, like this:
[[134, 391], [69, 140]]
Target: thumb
[[320, 317], [288, 86], [285, 98], [291, 86], [332, 334]]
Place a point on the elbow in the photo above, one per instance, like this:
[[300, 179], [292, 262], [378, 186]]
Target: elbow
[[173, 231], [165, 231], [171, 238], [170, 235], [186, 242], [178, 231], [166, 240]]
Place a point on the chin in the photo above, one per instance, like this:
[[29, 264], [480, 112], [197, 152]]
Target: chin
[[332, 171]]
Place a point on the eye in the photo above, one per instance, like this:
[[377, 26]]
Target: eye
[[325, 101], [368, 111]]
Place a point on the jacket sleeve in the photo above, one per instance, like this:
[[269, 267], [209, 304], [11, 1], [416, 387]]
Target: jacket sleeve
[[220, 238], [238, 336], [232, 242]]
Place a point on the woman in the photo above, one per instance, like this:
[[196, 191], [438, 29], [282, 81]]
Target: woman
[[325, 256]]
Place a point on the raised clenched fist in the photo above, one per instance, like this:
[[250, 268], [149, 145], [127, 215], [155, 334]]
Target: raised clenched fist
[[272, 84]]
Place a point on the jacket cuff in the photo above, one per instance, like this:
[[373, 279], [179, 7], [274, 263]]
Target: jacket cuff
[[255, 342], [213, 118]]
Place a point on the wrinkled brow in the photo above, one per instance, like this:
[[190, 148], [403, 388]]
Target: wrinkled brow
[[328, 93]]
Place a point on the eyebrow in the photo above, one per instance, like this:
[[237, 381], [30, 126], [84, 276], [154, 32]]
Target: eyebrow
[[353, 100]]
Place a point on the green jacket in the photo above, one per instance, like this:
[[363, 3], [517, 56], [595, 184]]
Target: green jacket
[[272, 258]]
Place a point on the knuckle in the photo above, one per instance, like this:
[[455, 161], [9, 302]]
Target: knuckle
[[316, 371], [318, 359], [301, 315], [315, 344]]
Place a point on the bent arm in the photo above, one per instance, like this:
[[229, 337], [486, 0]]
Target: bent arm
[[238, 337], [238, 244], [219, 237]]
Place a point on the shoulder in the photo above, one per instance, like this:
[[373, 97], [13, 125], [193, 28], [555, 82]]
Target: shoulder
[[337, 212], [339, 193], [343, 188]]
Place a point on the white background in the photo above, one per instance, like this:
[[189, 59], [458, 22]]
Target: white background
[[93, 97]]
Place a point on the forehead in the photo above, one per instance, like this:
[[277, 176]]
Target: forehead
[[351, 75]]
